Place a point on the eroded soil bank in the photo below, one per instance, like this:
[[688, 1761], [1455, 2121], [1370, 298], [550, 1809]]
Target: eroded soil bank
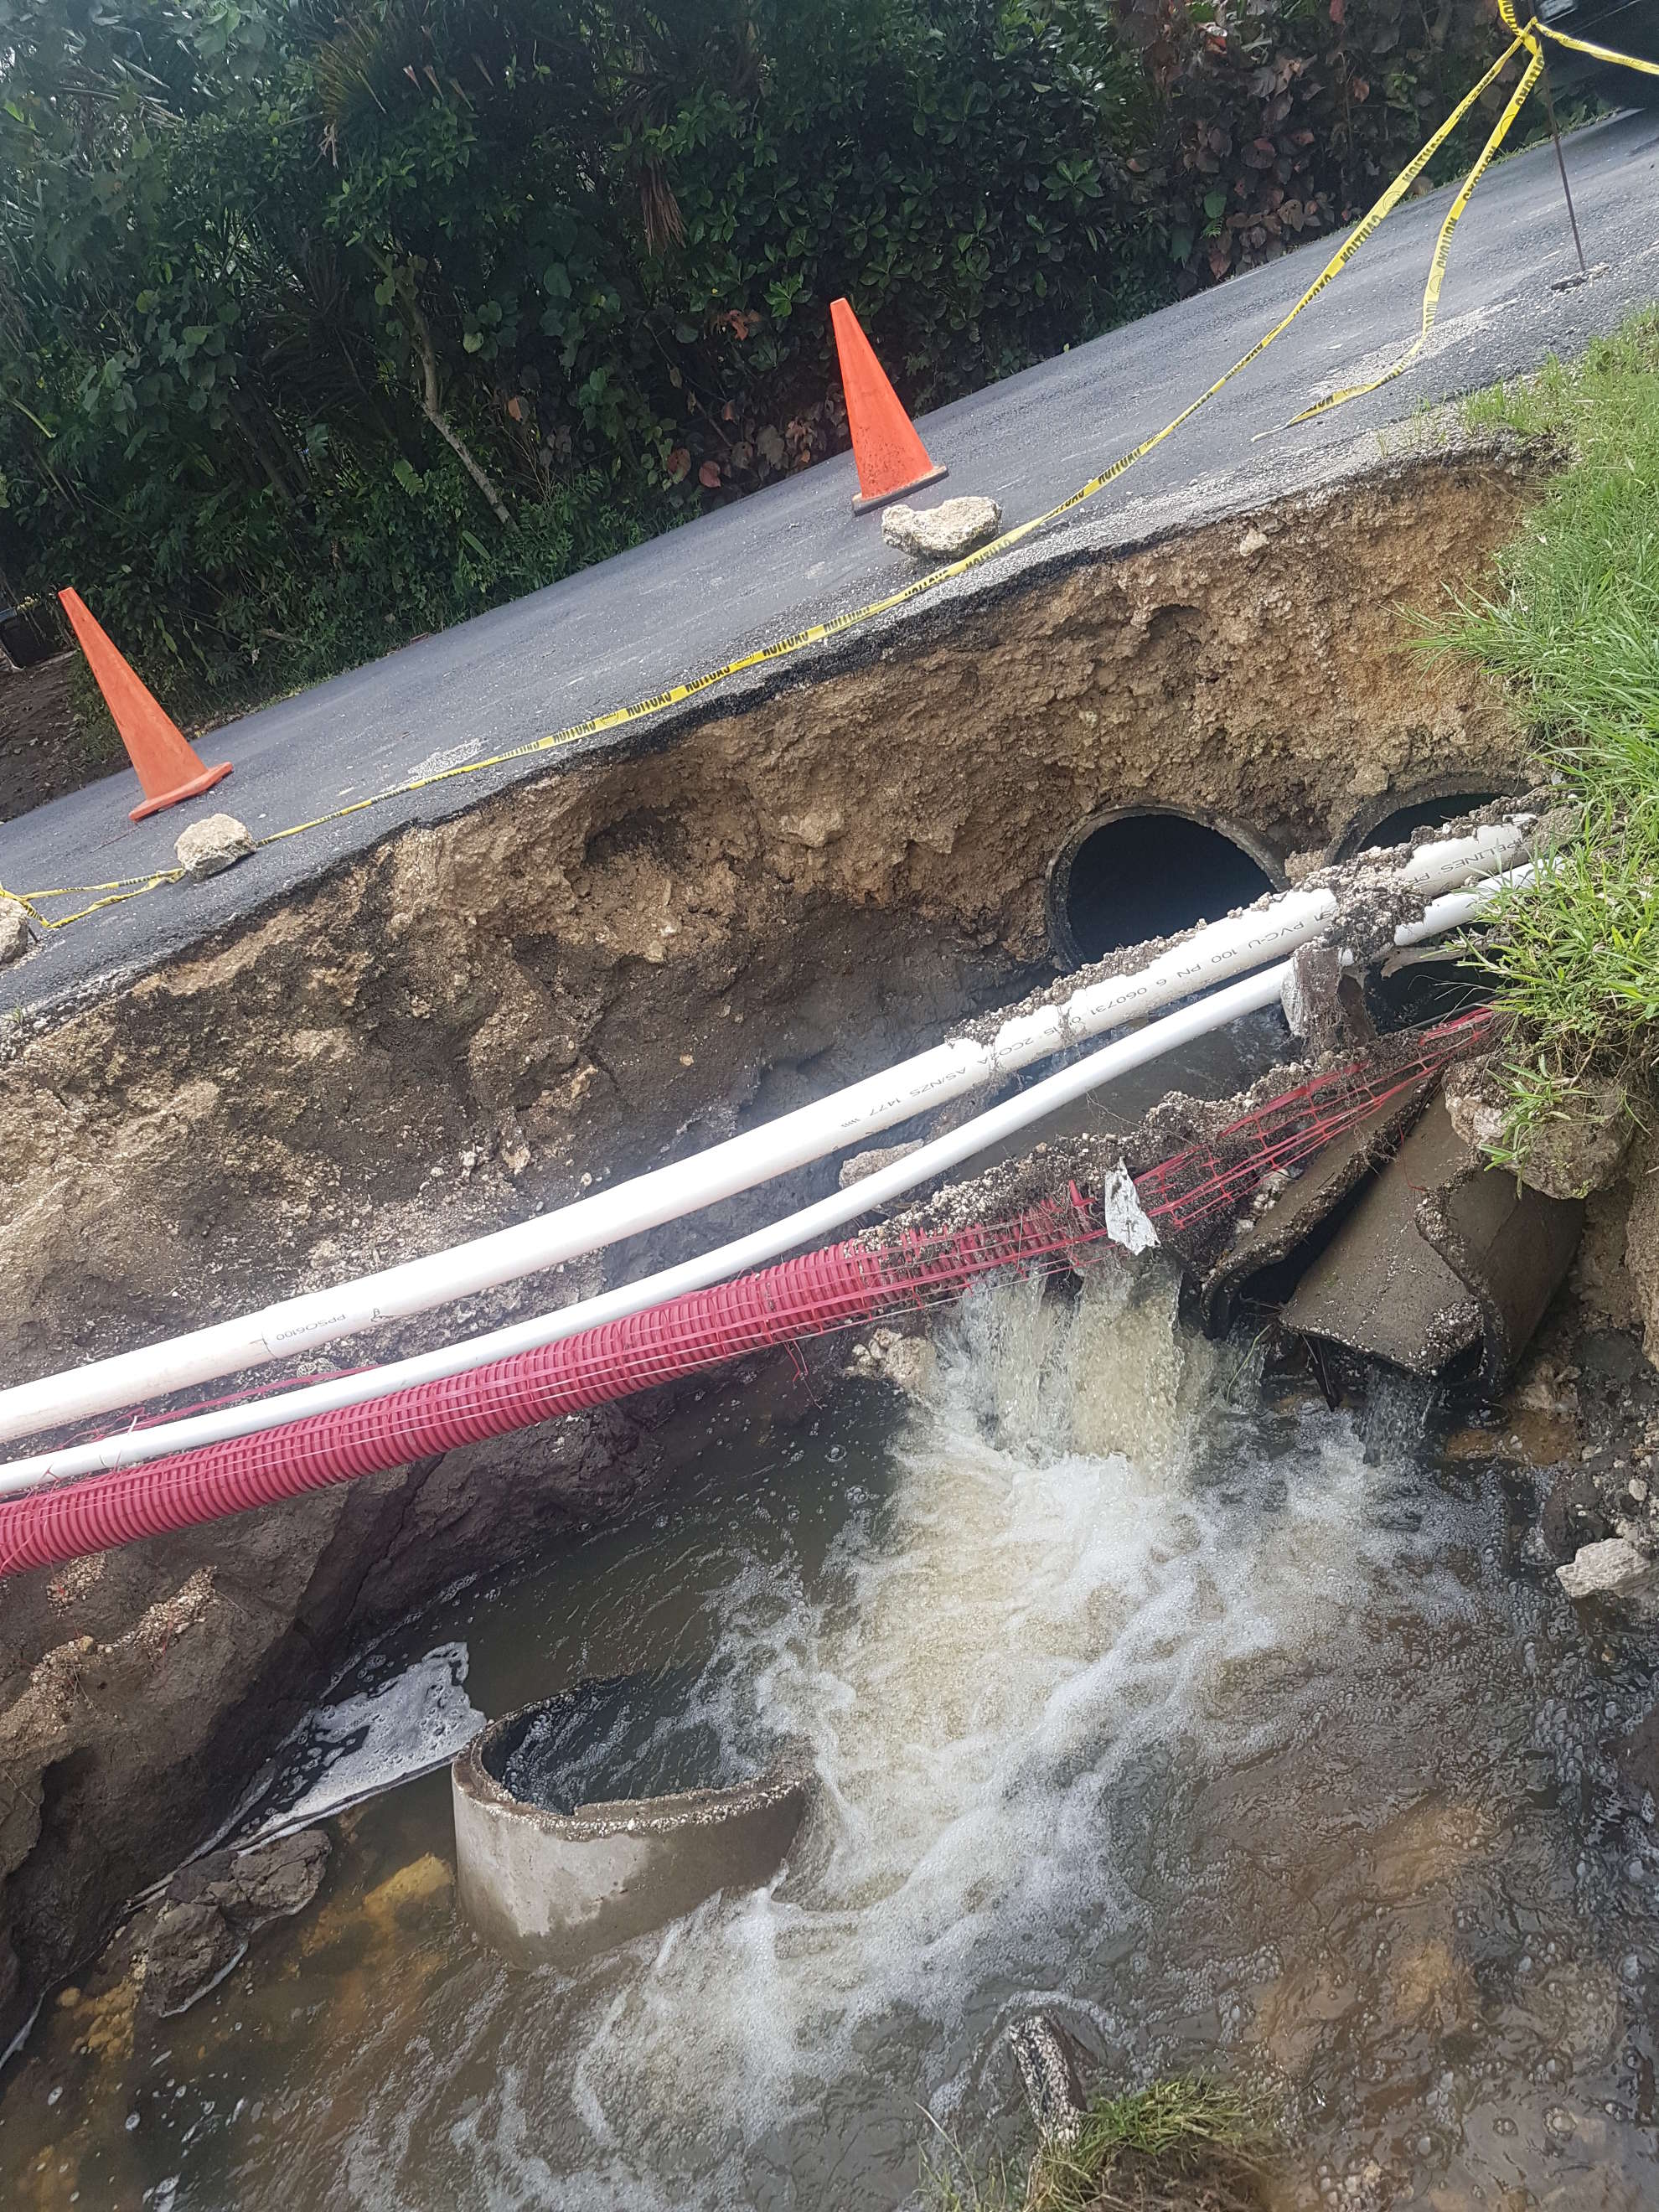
[[583, 978]]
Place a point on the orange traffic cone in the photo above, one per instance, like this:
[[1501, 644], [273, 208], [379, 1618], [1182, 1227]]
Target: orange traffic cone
[[891, 458], [168, 765]]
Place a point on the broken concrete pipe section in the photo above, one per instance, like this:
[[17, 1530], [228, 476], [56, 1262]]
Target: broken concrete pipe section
[[548, 1876], [1440, 1254]]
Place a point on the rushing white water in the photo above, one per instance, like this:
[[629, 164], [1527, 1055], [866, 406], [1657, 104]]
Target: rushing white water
[[1111, 1687], [1054, 1591]]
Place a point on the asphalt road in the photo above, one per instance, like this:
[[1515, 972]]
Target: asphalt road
[[770, 564]]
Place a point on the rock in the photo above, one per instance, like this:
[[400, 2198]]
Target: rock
[[1309, 994], [1252, 542], [942, 532], [213, 844], [208, 1912], [1582, 1148], [1601, 1569], [1578, 1150], [192, 1948], [871, 1162], [253, 1887], [1475, 1101], [1051, 2062], [16, 935], [906, 1362]]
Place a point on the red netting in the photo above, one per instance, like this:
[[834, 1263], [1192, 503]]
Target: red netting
[[845, 1284], [1216, 1178]]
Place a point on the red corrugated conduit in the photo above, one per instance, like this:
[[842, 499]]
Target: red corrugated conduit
[[847, 1284], [826, 1290]]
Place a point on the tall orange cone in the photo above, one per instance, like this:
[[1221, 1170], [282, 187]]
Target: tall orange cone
[[891, 458], [169, 767]]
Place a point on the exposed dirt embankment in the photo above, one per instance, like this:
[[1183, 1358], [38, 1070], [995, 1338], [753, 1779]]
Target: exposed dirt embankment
[[581, 979]]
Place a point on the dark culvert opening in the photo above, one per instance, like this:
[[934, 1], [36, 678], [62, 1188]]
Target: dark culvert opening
[[1439, 803], [1149, 872], [1425, 985]]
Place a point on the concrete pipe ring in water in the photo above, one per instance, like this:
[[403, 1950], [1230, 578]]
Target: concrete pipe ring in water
[[550, 1880], [1128, 873]]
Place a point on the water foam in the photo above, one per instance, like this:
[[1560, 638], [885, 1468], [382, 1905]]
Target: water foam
[[1080, 1563], [417, 1719]]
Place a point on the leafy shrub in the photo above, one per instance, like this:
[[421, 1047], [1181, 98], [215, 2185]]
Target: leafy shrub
[[325, 322]]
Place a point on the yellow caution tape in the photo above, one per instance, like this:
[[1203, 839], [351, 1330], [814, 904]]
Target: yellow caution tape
[[1526, 35], [1506, 8], [114, 894], [123, 887], [1517, 101]]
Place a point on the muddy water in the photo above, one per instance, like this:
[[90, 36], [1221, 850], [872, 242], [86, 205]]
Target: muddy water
[[1240, 1734]]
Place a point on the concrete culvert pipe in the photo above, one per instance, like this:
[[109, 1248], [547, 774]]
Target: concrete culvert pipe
[[1397, 816], [1429, 985], [604, 1813], [1133, 873]]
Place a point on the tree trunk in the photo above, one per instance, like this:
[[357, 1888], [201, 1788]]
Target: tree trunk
[[439, 422], [262, 453]]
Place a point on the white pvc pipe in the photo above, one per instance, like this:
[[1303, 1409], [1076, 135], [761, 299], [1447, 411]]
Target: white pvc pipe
[[1457, 908], [1240, 943], [809, 1226], [811, 1223]]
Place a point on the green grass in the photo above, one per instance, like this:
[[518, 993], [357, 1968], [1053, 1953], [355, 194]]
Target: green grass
[[1573, 631], [1187, 2144]]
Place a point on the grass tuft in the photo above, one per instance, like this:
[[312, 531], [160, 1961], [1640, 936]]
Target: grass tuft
[[1187, 2144], [1573, 631]]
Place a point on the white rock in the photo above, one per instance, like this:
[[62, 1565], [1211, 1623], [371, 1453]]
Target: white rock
[[213, 844], [1252, 541], [1600, 1569], [906, 1362], [16, 935], [1125, 1220], [940, 533]]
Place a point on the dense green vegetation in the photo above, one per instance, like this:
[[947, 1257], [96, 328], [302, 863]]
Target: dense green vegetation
[[1574, 631], [326, 322]]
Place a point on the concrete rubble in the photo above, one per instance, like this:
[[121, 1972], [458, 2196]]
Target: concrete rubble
[[889, 1356], [16, 935], [210, 846], [859, 1165], [942, 532]]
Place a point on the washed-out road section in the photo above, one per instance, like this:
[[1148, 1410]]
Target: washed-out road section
[[770, 565]]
